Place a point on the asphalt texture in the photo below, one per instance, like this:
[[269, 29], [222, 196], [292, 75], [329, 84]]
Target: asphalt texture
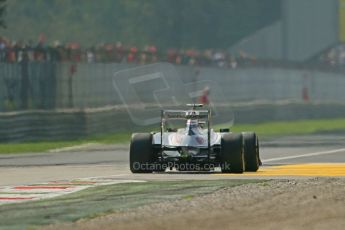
[[112, 161]]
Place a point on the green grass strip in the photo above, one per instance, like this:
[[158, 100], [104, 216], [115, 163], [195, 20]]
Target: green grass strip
[[43, 146], [293, 127]]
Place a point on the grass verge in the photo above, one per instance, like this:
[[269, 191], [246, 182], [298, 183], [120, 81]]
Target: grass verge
[[262, 129], [102, 200], [300, 127], [43, 146]]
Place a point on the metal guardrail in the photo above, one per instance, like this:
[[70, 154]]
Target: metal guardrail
[[73, 124], [60, 125]]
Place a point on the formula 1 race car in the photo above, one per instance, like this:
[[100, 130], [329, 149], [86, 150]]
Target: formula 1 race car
[[193, 147]]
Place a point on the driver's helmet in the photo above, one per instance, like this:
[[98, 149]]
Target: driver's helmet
[[192, 123], [192, 127]]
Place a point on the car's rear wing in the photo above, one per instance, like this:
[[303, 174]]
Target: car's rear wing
[[188, 114], [203, 116]]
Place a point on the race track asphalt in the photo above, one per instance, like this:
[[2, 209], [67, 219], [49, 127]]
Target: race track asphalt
[[283, 157]]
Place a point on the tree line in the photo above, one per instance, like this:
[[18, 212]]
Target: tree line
[[164, 23]]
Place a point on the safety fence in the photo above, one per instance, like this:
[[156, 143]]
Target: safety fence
[[47, 85], [26, 86]]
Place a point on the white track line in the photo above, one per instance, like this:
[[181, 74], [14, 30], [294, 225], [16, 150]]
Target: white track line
[[305, 155], [76, 147], [110, 176]]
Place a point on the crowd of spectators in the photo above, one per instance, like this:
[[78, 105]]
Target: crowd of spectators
[[117, 52]]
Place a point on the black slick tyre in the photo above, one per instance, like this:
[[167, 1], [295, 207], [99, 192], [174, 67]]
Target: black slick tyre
[[141, 153], [251, 151], [232, 153]]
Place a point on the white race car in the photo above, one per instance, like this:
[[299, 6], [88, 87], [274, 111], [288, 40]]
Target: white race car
[[193, 147]]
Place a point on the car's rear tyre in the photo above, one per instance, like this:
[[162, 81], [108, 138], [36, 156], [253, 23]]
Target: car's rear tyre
[[251, 151], [141, 153], [232, 153]]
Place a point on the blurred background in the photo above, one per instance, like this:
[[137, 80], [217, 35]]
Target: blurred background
[[266, 59]]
